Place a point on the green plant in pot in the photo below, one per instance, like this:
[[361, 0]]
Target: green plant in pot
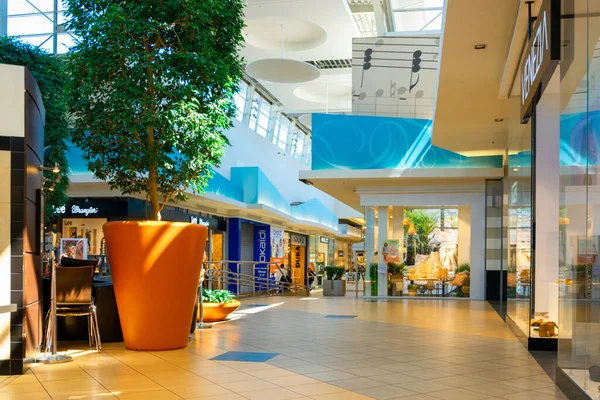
[[217, 305], [424, 223], [373, 277], [334, 285], [412, 289], [396, 273], [151, 93]]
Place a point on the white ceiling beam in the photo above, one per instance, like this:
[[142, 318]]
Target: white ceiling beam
[[379, 17]]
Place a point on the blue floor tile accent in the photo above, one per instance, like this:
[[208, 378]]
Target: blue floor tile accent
[[246, 356], [341, 316]]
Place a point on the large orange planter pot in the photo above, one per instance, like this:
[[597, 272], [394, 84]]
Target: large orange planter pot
[[213, 312], [155, 269]]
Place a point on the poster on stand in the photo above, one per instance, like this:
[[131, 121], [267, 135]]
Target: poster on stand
[[391, 251], [277, 246], [74, 248]]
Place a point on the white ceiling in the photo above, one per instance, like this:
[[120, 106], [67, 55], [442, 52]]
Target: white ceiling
[[469, 80], [312, 30]]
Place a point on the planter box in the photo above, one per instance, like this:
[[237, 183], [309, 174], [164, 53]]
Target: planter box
[[213, 312], [334, 287]]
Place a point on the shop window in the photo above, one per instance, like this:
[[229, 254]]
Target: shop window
[[281, 131]]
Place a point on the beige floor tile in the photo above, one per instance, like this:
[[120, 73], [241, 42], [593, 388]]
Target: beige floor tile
[[394, 379], [21, 388], [458, 381], [127, 383], [316, 389], [91, 395], [292, 380], [271, 373], [228, 396], [26, 396], [420, 386], [85, 384], [526, 384], [169, 374], [367, 371], [356, 383], [329, 376], [309, 369], [385, 392], [416, 397], [193, 381], [457, 394], [341, 396], [190, 392], [271, 394], [218, 370], [247, 386], [552, 390], [494, 389], [235, 376], [428, 374], [533, 395], [149, 395], [401, 367]]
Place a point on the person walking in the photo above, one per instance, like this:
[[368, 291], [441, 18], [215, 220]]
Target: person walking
[[311, 276]]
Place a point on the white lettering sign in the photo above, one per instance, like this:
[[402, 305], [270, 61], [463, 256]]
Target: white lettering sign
[[534, 59], [87, 211], [262, 245], [199, 221]]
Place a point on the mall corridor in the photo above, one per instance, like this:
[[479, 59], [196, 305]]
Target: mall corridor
[[312, 348]]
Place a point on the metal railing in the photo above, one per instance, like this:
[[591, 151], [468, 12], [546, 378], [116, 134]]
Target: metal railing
[[218, 274]]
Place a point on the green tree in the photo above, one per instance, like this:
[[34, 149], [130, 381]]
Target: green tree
[[152, 91], [425, 223], [48, 71]]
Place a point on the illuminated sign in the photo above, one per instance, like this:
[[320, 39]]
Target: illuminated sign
[[298, 240], [541, 55], [75, 209], [199, 221], [324, 239]]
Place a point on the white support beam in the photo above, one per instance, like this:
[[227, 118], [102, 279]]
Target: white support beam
[[379, 17]]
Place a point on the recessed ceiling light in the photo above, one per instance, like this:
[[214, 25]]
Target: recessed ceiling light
[[498, 119], [515, 169], [480, 46]]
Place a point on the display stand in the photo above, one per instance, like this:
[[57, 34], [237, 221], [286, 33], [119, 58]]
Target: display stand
[[54, 357], [201, 324]]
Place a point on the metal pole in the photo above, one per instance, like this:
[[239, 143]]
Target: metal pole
[[54, 357], [253, 280]]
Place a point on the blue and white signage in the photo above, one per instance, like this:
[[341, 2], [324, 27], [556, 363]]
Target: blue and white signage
[[262, 252]]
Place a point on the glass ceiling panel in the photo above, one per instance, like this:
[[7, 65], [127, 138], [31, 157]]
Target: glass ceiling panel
[[26, 7], [417, 15]]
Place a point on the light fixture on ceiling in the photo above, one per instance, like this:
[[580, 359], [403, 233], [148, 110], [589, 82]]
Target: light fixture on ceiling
[[282, 69], [515, 169], [498, 119], [480, 46]]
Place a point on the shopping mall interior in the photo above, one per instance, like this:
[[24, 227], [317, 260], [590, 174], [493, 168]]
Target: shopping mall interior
[[299, 199]]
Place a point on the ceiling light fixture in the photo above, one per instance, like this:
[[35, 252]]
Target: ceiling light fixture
[[283, 69], [480, 46], [515, 169]]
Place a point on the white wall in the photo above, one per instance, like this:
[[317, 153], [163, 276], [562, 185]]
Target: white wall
[[249, 149]]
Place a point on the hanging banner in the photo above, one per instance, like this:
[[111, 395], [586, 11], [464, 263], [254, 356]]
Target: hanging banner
[[298, 264], [391, 251], [262, 253]]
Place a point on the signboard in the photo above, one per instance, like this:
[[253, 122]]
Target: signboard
[[541, 55], [277, 245], [298, 240], [298, 264], [391, 251], [262, 252], [324, 239]]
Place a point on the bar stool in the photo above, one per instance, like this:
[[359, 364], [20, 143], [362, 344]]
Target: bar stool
[[74, 299]]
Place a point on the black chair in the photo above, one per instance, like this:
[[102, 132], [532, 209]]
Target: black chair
[[74, 299]]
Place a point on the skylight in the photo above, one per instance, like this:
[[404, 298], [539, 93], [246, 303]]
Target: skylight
[[417, 15]]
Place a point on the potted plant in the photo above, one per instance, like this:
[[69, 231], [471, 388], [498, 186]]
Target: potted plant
[[424, 224], [412, 289], [373, 277], [151, 93], [218, 304], [396, 273], [333, 285]]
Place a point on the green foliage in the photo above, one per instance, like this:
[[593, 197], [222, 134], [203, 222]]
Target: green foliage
[[373, 277], [217, 296], [152, 91], [412, 287], [48, 71], [334, 273], [464, 267], [396, 268], [425, 223]]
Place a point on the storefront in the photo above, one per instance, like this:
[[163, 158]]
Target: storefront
[[322, 254], [82, 218]]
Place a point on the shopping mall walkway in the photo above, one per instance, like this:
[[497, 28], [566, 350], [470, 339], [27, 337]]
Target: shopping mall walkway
[[324, 349]]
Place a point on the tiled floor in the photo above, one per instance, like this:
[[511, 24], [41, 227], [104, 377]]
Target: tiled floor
[[409, 349]]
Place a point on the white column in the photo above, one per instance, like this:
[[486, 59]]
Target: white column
[[547, 202], [369, 244], [383, 226]]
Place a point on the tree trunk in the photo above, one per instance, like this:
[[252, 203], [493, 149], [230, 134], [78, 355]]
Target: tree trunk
[[153, 194]]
